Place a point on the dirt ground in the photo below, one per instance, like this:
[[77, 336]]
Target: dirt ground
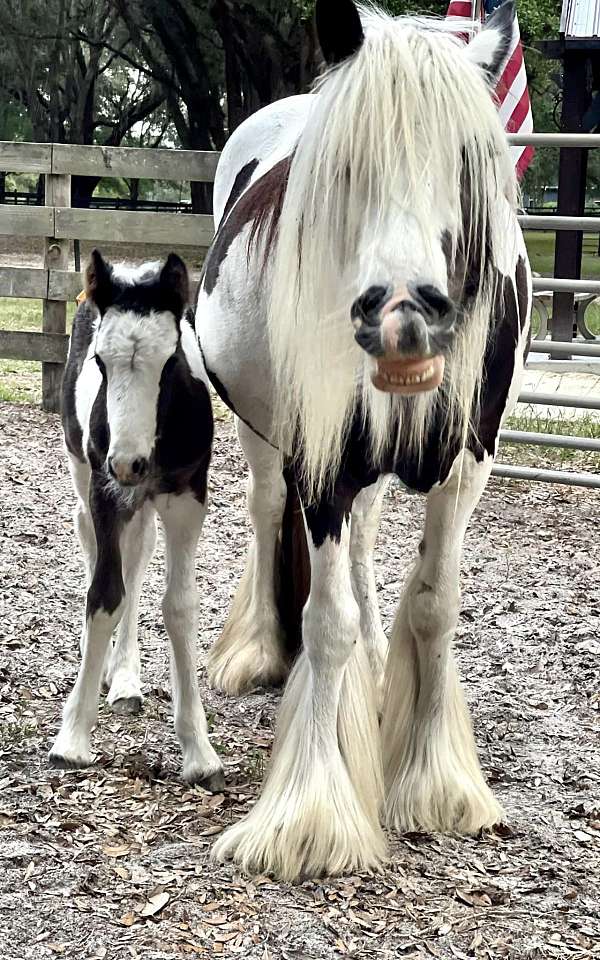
[[113, 861]]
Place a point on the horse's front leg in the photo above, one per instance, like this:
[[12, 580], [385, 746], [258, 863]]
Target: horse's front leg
[[319, 808], [366, 512], [432, 775], [104, 607]]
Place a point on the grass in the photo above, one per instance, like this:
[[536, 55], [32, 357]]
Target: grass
[[21, 380], [525, 454], [540, 247]]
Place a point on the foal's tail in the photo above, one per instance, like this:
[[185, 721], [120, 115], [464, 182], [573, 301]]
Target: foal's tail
[[293, 568]]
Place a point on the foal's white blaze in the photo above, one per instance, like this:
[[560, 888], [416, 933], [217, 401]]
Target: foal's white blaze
[[134, 349]]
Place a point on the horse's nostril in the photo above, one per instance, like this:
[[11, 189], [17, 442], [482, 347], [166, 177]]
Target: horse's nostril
[[139, 466], [369, 301], [435, 300]]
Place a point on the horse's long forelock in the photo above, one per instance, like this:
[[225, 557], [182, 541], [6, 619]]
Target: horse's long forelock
[[384, 111]]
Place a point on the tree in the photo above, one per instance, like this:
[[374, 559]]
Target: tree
[[62, 64]]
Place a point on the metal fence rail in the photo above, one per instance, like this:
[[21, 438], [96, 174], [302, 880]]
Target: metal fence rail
[[506, 470]]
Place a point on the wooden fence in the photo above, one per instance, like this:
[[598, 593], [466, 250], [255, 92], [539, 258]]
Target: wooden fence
[[54, 283]]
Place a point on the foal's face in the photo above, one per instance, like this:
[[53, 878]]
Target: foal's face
[[137, 334]]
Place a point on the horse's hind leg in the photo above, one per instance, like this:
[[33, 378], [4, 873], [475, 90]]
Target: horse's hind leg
[[432, 775], [251, 649], [123, 671], [104, 606], [182, 517], [319, 807], [366, 511]]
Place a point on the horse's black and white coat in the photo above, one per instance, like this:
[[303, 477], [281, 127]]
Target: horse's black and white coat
[[364, 311], [138, 429]]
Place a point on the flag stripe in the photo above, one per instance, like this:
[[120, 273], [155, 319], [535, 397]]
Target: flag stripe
[[513, 97], [510, 73], [511, 92]]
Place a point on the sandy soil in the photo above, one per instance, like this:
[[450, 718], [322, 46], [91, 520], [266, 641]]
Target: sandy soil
[[113, 861]]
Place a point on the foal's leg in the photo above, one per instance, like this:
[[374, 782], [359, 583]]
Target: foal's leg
[[103, 611], [250, 651], [183, 517], [432, 775], [123, 673], [319, 808], [366, 512]]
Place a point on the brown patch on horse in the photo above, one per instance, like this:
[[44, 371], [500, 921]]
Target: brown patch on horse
[[260, 204]]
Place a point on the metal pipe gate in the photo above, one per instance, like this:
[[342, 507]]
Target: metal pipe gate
[[577, 348]]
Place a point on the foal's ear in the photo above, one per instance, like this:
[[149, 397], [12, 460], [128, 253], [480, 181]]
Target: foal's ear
[[98, 281], [339, 29], [489, 49], [174, 280]]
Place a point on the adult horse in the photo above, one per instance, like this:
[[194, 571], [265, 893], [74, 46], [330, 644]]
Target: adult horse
[[364, 311]]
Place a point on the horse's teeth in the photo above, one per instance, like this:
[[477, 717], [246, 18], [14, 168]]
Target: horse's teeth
[[400, 381]]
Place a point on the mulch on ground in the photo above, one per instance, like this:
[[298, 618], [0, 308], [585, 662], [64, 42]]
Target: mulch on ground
[[113, 861]]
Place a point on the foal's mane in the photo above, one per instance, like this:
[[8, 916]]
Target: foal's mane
[[407, 111]]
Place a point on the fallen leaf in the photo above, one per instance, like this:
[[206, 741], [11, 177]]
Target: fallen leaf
[[116, 850], [154, 904]]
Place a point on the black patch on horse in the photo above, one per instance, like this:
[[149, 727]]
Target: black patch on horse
[[107, 589], [81, 337], [239, 185], [99, 438], [182, 453]]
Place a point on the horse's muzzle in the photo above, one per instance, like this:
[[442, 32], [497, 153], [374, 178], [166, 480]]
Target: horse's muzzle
[[406, 331], [128, 471]]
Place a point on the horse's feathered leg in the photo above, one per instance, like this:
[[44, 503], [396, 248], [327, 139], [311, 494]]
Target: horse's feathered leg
[[319, 808], [123, 671], [183, 517], [432, 775], [250, 651], [366, 511]]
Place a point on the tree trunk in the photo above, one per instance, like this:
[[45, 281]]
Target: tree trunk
[[82, 189]]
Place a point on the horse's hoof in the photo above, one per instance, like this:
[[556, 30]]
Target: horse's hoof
[[68, 763], [214, 782], [127, 706]]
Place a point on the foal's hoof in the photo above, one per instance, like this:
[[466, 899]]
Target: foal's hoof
[[127, 706], [214, 782], [68, 763]]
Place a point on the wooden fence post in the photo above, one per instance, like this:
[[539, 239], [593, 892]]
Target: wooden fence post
[[54, 315]]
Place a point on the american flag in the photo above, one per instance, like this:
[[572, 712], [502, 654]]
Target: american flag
[[512, 94]]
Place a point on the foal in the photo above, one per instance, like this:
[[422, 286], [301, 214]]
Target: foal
[[134, 381]]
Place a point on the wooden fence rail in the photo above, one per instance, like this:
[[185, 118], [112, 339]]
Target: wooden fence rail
[[59, 224]]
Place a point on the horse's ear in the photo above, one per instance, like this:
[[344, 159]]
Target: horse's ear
[[339, 29], [489, 49], [174, 279], [98, 281]]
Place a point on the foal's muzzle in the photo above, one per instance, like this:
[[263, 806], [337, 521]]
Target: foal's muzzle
[[406, 330], [128, 471]]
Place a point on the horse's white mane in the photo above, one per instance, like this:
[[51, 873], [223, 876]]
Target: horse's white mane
[[408, 109]]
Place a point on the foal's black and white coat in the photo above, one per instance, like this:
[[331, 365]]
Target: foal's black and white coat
[[364, 311], [138, 429]]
